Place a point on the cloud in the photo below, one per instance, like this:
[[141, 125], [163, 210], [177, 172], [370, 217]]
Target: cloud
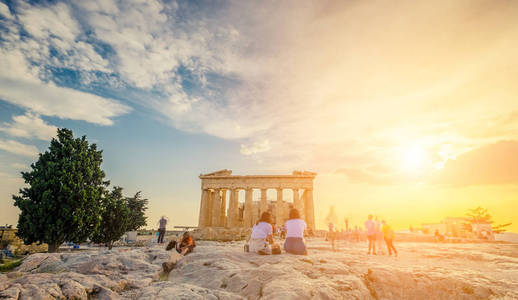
[[4, 11], [18, 148], [330, 85], [54, 40], [256, 147], [19, 166], [28, 126], [490, 164]]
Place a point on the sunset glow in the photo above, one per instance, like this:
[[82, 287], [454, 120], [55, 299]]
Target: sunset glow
[[405, 110]]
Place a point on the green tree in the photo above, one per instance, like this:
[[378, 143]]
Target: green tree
[[137, 209], [63, 199], [115, 217]]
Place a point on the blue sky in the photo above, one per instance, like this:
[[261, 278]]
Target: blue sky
[[382, 100]]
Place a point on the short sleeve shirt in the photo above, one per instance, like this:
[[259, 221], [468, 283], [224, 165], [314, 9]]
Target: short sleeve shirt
[[371, 227], [295, 228], [261, 230]]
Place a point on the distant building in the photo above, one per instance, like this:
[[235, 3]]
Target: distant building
[[459, 227]]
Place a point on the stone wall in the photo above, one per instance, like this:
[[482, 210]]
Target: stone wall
[[222, 234], [9, 235]]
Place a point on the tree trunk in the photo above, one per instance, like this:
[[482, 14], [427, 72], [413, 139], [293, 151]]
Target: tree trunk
[[110, 245], [53, 247]]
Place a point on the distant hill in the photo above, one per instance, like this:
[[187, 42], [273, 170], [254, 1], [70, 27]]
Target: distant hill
[[507, 236]]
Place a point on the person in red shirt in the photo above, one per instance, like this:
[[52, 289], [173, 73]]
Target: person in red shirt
[[185, 246]]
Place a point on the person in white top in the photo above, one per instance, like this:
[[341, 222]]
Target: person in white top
[[262, 235], [371, 234], [295, 227]]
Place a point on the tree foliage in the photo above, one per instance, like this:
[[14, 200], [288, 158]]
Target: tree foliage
[[137, 209], [63, 199], [115, 217], [479, 215]]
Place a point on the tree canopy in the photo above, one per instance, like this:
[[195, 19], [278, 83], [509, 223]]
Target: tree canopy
[[115, 218], [479, 215], [63, 199], [137, 210]]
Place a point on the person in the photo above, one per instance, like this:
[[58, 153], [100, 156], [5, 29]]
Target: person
[[295, 227], [388, 235], [161, 229], [371, 234], [379, 236], [438, 237], [262, 235], [331, 235], [185, 246], [283, 232]]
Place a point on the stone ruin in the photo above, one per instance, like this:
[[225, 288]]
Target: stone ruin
[[221, 217]]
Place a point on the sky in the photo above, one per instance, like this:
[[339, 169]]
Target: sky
[[406, 110]]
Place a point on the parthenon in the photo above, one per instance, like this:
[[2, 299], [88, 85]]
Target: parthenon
[[215, 187]]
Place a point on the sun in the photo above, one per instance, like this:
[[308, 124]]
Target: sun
[[413, 159]]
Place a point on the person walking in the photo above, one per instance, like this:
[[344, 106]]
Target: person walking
[[161, 229], [379, 236], [388, 234], [371, 234]]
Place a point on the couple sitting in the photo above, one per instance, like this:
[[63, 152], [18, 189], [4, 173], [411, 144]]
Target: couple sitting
[[185, 246], [262, 235]]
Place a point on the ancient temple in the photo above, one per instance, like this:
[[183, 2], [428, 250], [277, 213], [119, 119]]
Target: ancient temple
[[218, 211]]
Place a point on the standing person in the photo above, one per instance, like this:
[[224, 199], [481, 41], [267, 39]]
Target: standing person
[[295, 227], [262, 235], [388, 234], [331, 235], [371, 234], [161, 229], [379, 236]]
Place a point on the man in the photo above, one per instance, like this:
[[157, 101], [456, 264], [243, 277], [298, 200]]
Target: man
[[388, 234], [371, 234], [161, 229]]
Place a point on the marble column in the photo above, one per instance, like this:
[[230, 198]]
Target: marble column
[[233, 208], [223, 208], [216, 207], [204, 208], [210, 200], [309, 208], [279, 209], [248, 214], [263, 206]]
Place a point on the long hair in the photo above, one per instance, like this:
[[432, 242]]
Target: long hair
[[294, 214], [266, 217]]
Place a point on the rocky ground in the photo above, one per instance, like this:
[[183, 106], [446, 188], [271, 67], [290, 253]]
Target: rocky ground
[[223, 271]]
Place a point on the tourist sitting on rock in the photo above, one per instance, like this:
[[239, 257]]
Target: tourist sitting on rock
[[295, 227], [262, 235], [184, 247]]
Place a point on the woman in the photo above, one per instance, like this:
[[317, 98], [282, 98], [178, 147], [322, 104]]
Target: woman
[[295, 227], [262, 235], [185, 246]]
